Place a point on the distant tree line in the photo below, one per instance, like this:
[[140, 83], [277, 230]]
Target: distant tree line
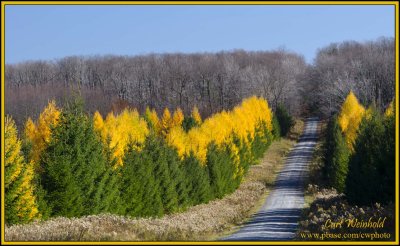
[[210, 81], [367, 69]]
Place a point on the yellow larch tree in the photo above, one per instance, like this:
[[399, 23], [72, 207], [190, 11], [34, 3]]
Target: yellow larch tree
[[177, 118], [98, 124], [20, 202], [165, 122], [349, 118], [39, 134], [242, 120], [121, 131], [153, 120], [390, 109], [196, 115]]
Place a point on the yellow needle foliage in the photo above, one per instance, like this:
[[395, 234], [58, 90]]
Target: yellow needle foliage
[[196, 115], [165, 122], [20, 202], [118, 132], [152, 117], [350, 117], [168, 122], [177, 118], [390, 109], [39, 134], [242, 121]]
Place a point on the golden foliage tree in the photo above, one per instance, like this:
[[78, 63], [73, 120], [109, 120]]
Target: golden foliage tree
[[152, 119], [165, 122], [177, 118], [20, 202], [196, 115], [350, 117], [120, 131], [241, 121], [39, 134], [390, 109]]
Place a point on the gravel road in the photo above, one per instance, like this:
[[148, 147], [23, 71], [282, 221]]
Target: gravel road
[[278, 217]]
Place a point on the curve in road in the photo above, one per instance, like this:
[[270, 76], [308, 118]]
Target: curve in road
[[278, 217]]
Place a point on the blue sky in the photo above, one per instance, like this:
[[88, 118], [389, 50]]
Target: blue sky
[[51, 32]]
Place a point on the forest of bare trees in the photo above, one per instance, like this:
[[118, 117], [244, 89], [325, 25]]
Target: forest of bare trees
[[368, 69], [211, 81]]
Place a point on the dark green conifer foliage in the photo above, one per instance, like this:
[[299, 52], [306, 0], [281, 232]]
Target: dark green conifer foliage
[[177, 176], [285, 120], [198, 181], [108, 192], [245, 153], [40, 193], [139, 190], [261, 142], [371, 169], [387, 166], [188, 123], [73, 164], [336, 156], [276, 129], [162, 158], [221, 170]]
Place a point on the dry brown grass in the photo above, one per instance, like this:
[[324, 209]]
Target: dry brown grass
[[296, 130], [328, 204], [199, 223]]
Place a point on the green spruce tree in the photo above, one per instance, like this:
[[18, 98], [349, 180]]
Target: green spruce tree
[[336, 155], [157, 149], [74, 164], [221, 170], [139, 190], [285, 120], [198, 181], [276, 129], [371, 168]]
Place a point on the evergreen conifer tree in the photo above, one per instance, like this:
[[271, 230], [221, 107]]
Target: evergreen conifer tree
[[139, 190], [371, 169], [158, 151], [74, 164], [285, 120], [221, 170], [198, 181], [276, 129], [336, 156]]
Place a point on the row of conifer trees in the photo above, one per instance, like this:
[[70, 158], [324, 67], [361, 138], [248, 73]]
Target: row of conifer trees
[[359, 158], [71, 164]]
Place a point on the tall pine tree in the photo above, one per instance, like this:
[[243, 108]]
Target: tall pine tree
[[371, 168], [158, 151], [140, 192], [198, 181], [74, 166], [336, 156], [221, 170]]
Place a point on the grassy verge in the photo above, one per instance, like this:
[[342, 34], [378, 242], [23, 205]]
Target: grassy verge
[[296, 130], [199, 223]]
